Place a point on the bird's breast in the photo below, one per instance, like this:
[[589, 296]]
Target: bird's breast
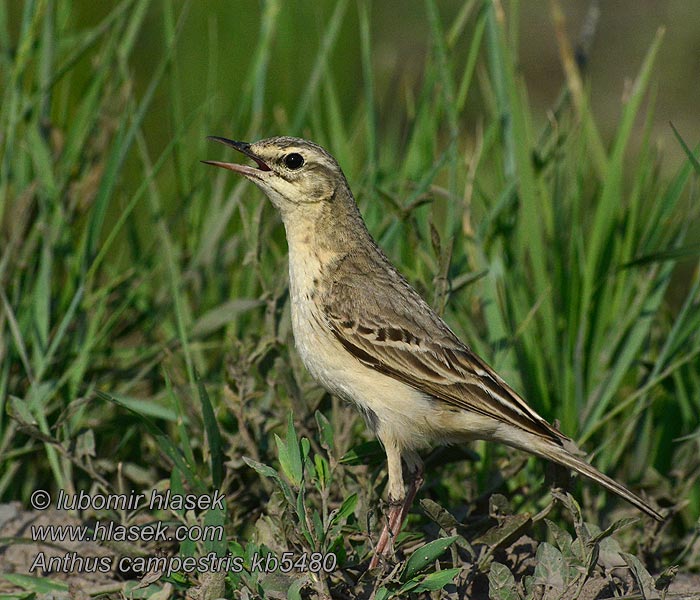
[[390, 407], [312, 336]]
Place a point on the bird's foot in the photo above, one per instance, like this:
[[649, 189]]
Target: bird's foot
[[398, 511], [392, 526]]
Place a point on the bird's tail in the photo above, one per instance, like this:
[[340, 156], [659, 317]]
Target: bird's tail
[[563, 456]]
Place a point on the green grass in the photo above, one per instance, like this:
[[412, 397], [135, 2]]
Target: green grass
[[144, 327]]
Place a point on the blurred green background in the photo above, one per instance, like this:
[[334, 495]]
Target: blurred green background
[[214, 57], [214, 54]]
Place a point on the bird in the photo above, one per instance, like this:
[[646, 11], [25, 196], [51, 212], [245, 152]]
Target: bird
[[367, 336]]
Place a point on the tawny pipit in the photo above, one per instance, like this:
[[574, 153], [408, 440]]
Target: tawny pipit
[[366, 335]]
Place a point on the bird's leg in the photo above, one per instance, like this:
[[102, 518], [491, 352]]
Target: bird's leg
[[385, 545], [414, 471], [397, 495], [400, 500]]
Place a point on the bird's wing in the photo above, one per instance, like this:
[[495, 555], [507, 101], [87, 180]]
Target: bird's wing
[[383, 322]]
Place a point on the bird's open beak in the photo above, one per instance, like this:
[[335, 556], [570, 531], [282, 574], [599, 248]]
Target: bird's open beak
[[244, 148]]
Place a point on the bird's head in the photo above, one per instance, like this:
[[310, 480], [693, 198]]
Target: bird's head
[[294, 173]]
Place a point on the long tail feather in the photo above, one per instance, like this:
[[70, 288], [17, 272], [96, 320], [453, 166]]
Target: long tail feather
[[562, 456]]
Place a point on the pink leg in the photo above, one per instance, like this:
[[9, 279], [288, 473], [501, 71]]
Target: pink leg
[[398, 511]]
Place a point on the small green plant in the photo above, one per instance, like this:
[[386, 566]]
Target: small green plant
[[313, 531], [563, 569]]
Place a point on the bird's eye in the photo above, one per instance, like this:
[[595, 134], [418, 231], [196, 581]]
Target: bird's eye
[[294, 160]]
